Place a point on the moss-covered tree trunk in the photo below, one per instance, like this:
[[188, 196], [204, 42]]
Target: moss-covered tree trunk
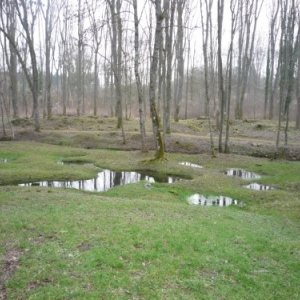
[[298, 82], [159, 145]]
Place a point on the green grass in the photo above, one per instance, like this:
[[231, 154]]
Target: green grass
[[82, 245], [33, 162], [138, 243]]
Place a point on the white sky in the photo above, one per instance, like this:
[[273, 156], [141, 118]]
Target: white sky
[[193, 22]]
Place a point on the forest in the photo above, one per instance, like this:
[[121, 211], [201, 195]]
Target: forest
[[172, 59], [149, 149]]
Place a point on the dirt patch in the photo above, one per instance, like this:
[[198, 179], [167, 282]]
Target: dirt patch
[[85, 246], [10, 263]]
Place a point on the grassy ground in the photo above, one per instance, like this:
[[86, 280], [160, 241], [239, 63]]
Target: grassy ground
[[250, 137], [138, 243]]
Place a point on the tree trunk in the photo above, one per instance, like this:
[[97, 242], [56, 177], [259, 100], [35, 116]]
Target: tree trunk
[[273, 82], [63, 37], [96, 81], [220, 71], [205, 33], [33, 78], [252, 10], [282, 72], [298, 82], [116, 41], [48, 79], [187, 81], [288, 45], [138, 79], [13, 62], [291, 59], [79, 60], [119, 67], [239, 62], [34, 82], [169, 26], [229, 79], [267, 84], [159, 145], [180, 60]]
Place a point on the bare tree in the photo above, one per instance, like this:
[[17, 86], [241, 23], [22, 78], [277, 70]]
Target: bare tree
[[179, 56], [234, 17], [248, 27], [108, 77], [96, 28], [137, 77], [64, 35], [33, 78], [116, 49], [4, 99], [288, 46], [187, 80], [206, 35], [159, 145], [11, 29], [50, 18], [169, 27], [271, 83], [220, 71], [298, 76], [79, 59]]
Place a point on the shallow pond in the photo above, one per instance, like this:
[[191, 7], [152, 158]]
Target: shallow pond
[[188, 164], [258, 187], [242, 174], [198, 199], [249, 175], [105, 180]]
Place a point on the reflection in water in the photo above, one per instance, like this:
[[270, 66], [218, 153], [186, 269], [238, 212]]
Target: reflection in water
[[243, 174], [186, 163], [104, 181], [249, 175], [258, 187], [198, 199]]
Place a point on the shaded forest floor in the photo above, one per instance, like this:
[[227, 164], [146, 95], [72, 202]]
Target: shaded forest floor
[[248, 137]]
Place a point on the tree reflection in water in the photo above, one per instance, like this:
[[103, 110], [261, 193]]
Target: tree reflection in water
[[242, 173], [105, 180], [198, 199]]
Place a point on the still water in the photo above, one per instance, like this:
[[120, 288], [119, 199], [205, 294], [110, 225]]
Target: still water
[[188, 164], [258, 187], [198, 199], [242, 174], [249, 175], [105, 180]]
